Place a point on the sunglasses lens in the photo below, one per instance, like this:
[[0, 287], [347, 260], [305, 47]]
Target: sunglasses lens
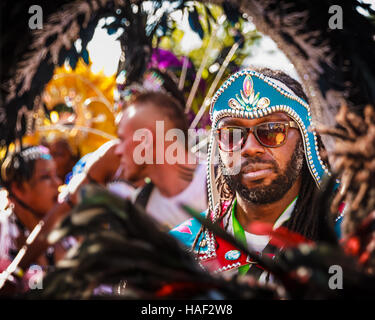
[[230, 139], [272, 134]]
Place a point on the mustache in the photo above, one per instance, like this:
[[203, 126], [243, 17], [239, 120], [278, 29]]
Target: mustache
[[249, 163]]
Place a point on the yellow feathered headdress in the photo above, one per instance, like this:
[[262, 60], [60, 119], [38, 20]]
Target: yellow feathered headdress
[[80, 105]]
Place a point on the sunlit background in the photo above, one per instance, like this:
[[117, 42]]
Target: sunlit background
[[105, 50]]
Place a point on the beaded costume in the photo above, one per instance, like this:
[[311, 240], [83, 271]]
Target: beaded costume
[[250, 95]]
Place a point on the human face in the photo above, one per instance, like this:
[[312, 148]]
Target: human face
[[132, 171], [260, 174], [63, 158], [41, 191]]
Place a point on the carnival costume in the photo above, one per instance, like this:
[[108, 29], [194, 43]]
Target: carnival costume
[[249, 95]]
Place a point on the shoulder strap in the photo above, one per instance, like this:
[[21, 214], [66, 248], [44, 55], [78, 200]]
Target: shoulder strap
[[144, 195]]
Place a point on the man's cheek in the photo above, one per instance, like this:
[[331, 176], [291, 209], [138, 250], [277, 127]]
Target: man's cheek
[[232, 163], [283, 165], [121, 148]]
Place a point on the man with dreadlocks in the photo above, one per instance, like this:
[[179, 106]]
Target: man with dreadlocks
[[269, 168]]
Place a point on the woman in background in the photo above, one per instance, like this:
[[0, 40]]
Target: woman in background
[[31, 182]]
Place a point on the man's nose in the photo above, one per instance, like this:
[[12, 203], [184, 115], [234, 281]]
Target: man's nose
[[118, 150], [252, 147]]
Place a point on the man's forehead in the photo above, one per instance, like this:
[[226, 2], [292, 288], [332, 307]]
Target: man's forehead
[[129, 112], [278, 116], [137, 117], [127, 115]]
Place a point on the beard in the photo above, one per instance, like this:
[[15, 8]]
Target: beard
[[134, 173], [278, 187]]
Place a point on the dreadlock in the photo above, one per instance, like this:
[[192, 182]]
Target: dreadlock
[[303, 221], [225, 194]]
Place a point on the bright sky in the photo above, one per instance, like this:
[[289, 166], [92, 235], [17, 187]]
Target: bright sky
[[364, 12], [105, 51]]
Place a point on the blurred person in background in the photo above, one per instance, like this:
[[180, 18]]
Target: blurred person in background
[[64, 157], [31, 181]]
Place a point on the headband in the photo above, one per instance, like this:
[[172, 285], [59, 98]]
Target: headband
[[29, 154]]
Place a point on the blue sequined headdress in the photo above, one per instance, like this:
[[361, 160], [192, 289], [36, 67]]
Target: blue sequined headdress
[[250, 95]]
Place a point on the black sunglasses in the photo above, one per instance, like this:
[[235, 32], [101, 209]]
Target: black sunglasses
[[268, 134]]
